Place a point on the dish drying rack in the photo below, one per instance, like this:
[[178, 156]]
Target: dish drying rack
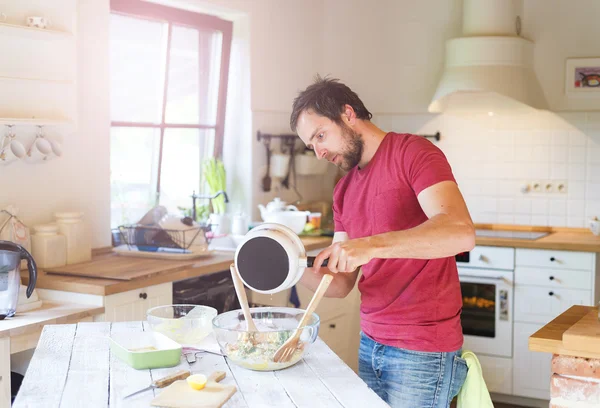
[[156, 239]]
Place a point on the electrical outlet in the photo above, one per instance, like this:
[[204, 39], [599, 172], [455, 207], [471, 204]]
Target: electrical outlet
[[548, 187], [525, 187], [561, 186], [536, 186]]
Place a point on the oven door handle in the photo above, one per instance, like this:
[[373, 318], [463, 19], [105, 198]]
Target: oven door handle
[[496, 278]]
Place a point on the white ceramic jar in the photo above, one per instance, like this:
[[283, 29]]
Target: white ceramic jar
[[79, 246], [48, 247]]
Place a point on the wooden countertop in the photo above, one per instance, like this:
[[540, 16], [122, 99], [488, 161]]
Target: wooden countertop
[[551, 337], [171, 272], [563, 239]]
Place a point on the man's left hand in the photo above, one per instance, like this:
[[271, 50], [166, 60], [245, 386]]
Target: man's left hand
[[346, 256]]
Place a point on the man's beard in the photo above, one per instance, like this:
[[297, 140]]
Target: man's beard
[[354, 148]]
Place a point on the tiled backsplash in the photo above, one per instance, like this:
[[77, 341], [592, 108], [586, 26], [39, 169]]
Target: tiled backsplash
[[493, 157]]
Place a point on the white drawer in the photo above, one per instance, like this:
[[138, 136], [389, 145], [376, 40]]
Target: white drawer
[[490, 258], [534, 304], [553, 278], [336, 332], [547, 258]]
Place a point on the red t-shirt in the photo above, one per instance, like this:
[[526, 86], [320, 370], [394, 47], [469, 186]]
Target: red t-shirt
[[408, 303]]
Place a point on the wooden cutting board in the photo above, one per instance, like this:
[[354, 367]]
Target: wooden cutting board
[[121, 267], [584, 335], [181, 395]]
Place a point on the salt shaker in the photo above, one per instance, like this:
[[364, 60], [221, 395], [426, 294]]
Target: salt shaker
[[79, 247], [49, 248]]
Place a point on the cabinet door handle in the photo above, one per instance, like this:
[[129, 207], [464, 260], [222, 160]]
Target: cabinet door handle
[[332, 326], [551, 293], [143, 295], [551, 278], [552, 259]]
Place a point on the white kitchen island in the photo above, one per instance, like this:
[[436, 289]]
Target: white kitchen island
[[73, 367]]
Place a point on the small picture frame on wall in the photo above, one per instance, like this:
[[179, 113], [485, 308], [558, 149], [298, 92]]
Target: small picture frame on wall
[[582, 77]]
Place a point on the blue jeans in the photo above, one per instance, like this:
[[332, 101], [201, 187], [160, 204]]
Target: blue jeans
[[410, 379]]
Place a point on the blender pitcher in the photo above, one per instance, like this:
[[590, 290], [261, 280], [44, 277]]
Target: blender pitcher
[[11, 255]]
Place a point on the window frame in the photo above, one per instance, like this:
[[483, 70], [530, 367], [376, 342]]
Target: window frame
[[169, 15]]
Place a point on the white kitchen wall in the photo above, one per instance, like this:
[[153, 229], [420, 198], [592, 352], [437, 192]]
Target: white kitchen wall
[[78, 181], [493, 157]]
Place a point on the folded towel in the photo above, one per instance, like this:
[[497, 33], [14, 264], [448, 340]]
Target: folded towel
[[474, 392]]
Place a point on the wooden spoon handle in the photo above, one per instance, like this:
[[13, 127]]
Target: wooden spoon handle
[[241, 294], [314, 302]]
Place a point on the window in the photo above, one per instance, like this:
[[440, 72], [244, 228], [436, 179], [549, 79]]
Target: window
[[168, 83]]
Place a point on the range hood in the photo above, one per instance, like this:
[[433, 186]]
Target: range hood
[[490, 68]]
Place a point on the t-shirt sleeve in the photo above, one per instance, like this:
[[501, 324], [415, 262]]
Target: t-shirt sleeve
[[424, 164]]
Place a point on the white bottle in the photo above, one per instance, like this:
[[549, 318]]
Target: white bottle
[[79, 247], [49, 249]]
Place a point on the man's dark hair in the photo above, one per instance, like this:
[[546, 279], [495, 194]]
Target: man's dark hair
[[327, 97]]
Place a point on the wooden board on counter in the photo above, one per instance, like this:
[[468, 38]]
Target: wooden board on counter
[[121, 267], [549, 339]]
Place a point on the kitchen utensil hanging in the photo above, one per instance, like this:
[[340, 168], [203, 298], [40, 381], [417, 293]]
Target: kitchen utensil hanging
[[266, 181]]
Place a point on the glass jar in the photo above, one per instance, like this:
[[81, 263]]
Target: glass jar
[[49, 249], [79, 246]]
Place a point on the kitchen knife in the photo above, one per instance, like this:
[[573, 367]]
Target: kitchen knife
[[163, 382]]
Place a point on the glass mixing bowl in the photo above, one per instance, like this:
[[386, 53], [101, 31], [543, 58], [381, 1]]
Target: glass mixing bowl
[[255, 350], [186, 324]]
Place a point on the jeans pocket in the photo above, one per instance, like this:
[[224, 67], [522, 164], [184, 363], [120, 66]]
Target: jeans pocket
[[459, 374]]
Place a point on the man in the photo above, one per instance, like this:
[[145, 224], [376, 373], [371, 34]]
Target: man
[[399, 217]]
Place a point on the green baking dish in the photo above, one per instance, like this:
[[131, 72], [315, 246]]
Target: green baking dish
[[145, 350]]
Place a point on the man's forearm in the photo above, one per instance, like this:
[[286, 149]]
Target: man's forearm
[[338, 288], [439, 237]]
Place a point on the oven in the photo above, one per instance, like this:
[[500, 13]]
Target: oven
[[486, 277]]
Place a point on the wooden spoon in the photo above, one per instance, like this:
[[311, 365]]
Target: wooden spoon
[[241, 294], [287, 349]]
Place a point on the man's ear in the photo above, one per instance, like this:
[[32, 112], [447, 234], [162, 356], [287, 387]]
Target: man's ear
[[349, 116]]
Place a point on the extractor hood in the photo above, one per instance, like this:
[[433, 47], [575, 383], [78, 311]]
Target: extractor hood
[[490, 68]]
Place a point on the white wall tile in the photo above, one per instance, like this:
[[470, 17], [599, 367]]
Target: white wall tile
[[539, 220], [575, 222], [560, 138], [577, 154], [506, 205], [592, 209], [575, 208], [558, 207], [576, 190], [523, 206], [558, 171], [577, 138], [539, 206], [559, 154], [592, 191], [506, 219], [557, 221], [522, 219], [593, 172], [576, 172]]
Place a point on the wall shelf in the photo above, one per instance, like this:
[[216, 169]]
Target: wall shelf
[[35, 121], [32, 32], [38, 80]]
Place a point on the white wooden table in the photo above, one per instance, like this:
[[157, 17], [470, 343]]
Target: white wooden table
[[22, 332], [73, 367]]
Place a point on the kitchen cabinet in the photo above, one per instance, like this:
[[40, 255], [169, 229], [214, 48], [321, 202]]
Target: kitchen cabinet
[[132, 305], [547, 282], [531, 370]]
